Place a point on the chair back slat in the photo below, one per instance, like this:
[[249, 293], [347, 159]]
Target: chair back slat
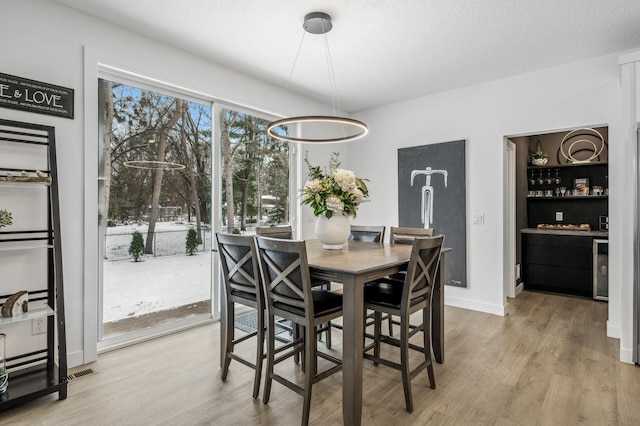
[[239, 263], [282, 232], [285, 273], [371, 234], [422, 268], [404, 235]]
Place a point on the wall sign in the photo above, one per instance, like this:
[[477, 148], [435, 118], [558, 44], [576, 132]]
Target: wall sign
[[35, 96]]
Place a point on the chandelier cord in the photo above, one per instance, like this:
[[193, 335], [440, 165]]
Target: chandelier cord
[[295, 61]]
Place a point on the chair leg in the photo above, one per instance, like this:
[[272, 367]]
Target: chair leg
[[259, 352], [310, 372], [229, 340], [404, 361], [295, 335], [270, 359], [377, 330], [426, 331], [328, 338], [390, 325]]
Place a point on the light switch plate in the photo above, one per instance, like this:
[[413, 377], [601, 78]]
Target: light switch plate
[[559, 216], [478, 219]]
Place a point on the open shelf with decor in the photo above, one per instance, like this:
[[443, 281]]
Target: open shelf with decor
[[32, 291]]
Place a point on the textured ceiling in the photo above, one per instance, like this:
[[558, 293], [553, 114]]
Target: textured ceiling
[[382, 51]]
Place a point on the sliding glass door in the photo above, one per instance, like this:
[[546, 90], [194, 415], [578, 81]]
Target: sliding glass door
[[155, 215]]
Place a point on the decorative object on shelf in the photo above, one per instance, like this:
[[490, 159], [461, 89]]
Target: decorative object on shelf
[[5, 218], [581, 186], [334, 192], [4, 376], [16, 304], [331, 128], [582, 145], [565, 227], [26, 176]]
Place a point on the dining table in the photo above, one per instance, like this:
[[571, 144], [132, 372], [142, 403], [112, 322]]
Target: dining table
[[354, 265]]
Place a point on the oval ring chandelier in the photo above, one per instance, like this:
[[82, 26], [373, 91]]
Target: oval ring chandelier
[[331, 128], [153, 165]]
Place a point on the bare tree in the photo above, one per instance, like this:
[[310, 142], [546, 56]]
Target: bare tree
[[161, 141]]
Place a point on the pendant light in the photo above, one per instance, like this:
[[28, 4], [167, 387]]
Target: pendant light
[[331, 128]]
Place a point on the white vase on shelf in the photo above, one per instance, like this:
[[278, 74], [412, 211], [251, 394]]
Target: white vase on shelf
[[334, 232], [539, 161]]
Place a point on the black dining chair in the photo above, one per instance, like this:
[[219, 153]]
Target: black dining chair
[[280, 231], [404, 235], [385, 297], [371, 234], [286, 232], [289, 294], [239, 262]]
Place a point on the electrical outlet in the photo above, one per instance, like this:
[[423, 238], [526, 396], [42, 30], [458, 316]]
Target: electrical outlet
[[38, 326]]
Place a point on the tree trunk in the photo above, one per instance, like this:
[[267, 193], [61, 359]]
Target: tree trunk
[[191, 178], [157, 181]]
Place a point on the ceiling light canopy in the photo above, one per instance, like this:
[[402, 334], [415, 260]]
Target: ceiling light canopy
[[328, 128]]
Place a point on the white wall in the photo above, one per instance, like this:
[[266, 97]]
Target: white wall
[[576, 95], [47, 42]]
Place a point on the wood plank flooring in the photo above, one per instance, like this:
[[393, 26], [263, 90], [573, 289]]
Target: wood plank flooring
[[547, 363]]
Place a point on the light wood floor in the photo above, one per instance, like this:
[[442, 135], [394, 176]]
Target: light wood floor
[[549, 362]]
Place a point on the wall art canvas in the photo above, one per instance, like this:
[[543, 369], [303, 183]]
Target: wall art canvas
[[432, 194]]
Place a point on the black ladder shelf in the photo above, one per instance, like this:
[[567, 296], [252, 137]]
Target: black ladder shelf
[[37, 365]]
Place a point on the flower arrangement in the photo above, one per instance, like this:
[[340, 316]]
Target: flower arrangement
[[334, 191]]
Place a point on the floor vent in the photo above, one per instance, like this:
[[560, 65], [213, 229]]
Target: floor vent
[[80, 374]]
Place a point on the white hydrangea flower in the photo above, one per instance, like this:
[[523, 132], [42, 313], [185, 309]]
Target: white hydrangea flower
[[345, 178], [334, 204], [313, 185], [357, 194]]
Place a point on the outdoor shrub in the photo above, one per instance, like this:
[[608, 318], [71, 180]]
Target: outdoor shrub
[[236, 231], [136, 248], [192, 241]]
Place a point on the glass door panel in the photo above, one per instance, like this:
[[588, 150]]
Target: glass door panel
[[155, 213]]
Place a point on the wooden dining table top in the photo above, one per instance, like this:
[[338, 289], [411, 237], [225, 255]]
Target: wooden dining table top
[[357, 256]]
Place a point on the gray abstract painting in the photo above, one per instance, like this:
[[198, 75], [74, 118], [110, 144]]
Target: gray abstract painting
[[432, 194]]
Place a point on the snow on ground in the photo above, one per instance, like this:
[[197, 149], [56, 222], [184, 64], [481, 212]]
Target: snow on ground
[[154, 283]]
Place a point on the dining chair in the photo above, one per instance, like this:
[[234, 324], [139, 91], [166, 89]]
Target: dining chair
[[404, 235], [402, 301], [286, 232], [239, 262], [371, 234], [289, 294], [282, 231]]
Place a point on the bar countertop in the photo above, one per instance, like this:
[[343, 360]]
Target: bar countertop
[[600, 234]]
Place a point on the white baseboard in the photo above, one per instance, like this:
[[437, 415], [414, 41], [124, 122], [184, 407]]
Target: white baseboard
[[613, 331], [75, 359], [519, 288], [626, 355], [475, 306]]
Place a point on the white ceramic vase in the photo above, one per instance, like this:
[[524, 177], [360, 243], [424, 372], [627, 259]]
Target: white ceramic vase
[[334, 232]]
